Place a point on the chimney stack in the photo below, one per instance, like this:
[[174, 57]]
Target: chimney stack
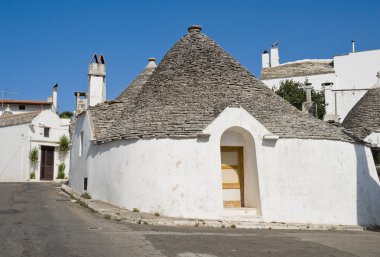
[[274, 56], [96, 81], [81, 102], [151, 63], [55, 98], [308, 91], [353, 46], [309, 106], [265, 63]]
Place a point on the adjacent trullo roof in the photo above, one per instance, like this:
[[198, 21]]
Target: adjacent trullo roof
[[364, 117], [18, 119], [298, 69], [135, 87], [192, 85]]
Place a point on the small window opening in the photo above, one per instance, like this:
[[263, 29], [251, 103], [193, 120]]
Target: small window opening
[[376, 158], [21, 107], [46, 132], [85, 184]]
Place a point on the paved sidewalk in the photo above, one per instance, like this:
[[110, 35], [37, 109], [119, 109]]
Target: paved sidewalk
[[110, 211]]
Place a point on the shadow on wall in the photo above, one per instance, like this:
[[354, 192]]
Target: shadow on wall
[[368, 189]]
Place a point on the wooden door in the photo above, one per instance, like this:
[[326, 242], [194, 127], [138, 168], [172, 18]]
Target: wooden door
[[232, 176], [47, 163]]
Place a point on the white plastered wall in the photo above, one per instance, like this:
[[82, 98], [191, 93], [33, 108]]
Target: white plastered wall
[[14, 149], [300, 180]]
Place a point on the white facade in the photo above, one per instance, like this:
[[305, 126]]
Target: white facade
[[286, 180], [353, 75], [15, 108], [17, 141]]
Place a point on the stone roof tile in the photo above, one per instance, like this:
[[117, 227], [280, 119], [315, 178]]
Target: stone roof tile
[[298, 69], [18, 119], [364, 117]]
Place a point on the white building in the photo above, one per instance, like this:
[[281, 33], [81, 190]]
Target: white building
[[200, 137], [345, 78], [23, 106], [19, 134]]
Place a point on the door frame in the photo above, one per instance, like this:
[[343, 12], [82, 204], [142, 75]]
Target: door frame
[[240, 151], [52, 148]]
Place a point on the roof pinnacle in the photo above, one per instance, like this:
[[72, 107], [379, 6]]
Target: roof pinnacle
[[194, 28]]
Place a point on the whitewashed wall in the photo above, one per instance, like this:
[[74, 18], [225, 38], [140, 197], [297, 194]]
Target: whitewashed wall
[[14, 149], [357, 70], [307, 181], [28, 108]]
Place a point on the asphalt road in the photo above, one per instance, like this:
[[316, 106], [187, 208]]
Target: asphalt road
[[37, 219]]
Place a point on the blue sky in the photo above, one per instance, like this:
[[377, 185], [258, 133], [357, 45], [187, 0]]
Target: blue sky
[[44, 42]]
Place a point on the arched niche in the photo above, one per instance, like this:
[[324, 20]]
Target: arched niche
[[240, 139]]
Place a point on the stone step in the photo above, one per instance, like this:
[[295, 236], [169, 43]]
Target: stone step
[[243, 214]]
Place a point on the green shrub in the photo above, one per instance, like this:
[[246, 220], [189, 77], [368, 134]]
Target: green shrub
[[34, 155], [61, 171], [85, 195], [66, 115], [32, 175], [64, 144]]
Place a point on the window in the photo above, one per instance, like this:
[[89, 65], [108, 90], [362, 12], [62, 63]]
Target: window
[[85, 184], [46, 132], [376, 158], [21, 107], [81, 144]]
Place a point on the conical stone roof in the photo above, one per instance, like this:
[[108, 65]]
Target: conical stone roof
[[132, 91], [192, 85], [364, 117]]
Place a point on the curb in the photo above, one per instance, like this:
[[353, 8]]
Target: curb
[[110, 211]]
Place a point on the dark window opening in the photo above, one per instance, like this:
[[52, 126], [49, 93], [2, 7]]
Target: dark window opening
[[46, 132], [85, 184], [21, 107], [376, 158]]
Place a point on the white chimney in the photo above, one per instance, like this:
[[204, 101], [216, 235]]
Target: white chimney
[[377, 84], [96, 81], [55, 99], [308, 92], [151, 63], [274, 57], [265, 60], [353, 46]]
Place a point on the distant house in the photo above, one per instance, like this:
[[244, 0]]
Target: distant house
[[199, 136], [22, 106], [36, 126], [345, 78]]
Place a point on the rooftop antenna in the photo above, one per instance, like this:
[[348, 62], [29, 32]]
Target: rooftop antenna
[[5, 93], [275, 44]]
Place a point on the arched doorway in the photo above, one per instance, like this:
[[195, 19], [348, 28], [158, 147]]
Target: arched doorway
[[240, 183]]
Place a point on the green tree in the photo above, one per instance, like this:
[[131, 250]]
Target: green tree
[[66, 115], [294, 93]]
